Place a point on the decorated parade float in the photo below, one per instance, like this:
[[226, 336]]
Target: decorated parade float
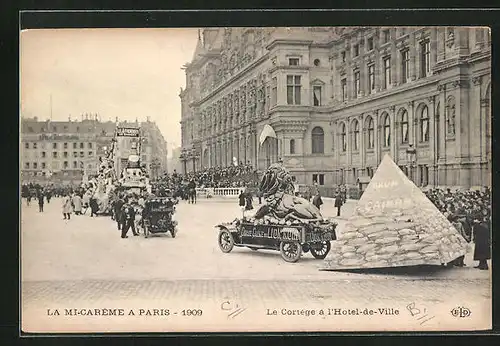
[[394, 225], [102, 186], [106, 186], [134, 179], [285, 223]]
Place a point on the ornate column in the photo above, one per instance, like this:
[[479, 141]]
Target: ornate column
[[255, 148], [475, 122], [442, 124], [432, 140], [412, 124], [395, 61], [223, 155], [392, 113], [243, 104], [486, 140], [413, 57], [433, 46], [440, 43], [349, 149], [461, 111], [246, 147], [362, 147], [376, 133], [336, 150], [378, 65]]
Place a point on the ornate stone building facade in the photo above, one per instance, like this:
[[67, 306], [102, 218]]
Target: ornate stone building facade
[[337, 99], [63, 150]]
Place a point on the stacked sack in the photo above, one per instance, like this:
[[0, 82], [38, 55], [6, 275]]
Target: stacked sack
[[375, 241]]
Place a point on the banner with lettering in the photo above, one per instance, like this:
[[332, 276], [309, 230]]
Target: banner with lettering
[[127, 132]]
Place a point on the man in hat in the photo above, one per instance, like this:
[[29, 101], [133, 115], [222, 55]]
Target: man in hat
[[128, 218], [482, 240], [117, 209], [40, 201], [339, 200], [317, 201]]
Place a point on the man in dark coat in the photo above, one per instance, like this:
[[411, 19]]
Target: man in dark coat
[[248, 200], [117, 207], [128, 219], [482, 240], [317, 201], [338, 202], [40, 201], [94, 206], [48, 194], [242, 200]]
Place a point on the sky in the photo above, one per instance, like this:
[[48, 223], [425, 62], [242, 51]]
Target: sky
[[126, 73]]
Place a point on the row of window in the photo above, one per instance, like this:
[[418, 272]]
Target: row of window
[[296, 62], [34, 145], [293, 91], [294, 86], [55, 154], [419, 174], [65, 129], [405, 76], [55, 165], [318, 134], [385, 37]]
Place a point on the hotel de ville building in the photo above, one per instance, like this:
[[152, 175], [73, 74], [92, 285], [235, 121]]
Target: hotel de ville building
[[330, 102]]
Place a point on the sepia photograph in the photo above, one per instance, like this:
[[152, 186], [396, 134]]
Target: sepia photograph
[[255, 179]]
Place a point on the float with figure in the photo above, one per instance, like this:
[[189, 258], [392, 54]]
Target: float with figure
[[285, 223], [101, 187]]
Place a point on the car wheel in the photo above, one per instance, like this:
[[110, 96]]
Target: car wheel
[[319, 251], [226, 241], [290, 251]]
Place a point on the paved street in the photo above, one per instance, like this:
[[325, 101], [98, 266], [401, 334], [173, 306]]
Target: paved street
[[84, 262]]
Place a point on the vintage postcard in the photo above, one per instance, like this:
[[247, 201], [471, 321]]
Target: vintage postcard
[[255, 179]]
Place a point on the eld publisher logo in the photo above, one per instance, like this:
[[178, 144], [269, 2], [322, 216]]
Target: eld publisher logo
[[460, 312]]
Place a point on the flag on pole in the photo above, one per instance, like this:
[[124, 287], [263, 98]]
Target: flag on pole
[[267, 131]]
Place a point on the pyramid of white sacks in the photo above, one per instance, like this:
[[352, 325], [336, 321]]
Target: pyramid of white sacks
[[394, 225]]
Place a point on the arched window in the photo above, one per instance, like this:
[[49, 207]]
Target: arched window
[[424, 124], [343, 136], [404, 127], [387, 131], [318, 140], [355, 138], [292, 146], [371, 130]]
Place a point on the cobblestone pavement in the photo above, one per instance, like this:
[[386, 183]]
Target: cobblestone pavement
[[84, 263], [357, 290]]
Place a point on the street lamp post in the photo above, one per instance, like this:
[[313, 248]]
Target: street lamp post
[[183, 158], [411, 154], [193, 156]]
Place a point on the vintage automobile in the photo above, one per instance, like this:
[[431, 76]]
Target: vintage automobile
[[291, 239], [285, 222], [157, 216]]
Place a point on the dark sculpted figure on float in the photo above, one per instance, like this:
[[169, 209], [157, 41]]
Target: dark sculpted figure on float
[[276, 187]]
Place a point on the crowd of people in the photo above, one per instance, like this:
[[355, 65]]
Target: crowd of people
[[470, 212], [224, 177]]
